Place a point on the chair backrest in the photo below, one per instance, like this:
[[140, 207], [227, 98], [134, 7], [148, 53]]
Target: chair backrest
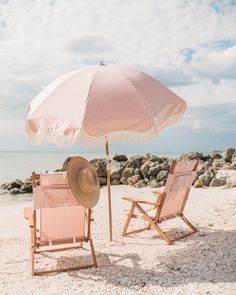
[[62, 219], [178, 184]]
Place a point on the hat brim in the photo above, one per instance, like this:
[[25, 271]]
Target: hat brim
[[87, 200]]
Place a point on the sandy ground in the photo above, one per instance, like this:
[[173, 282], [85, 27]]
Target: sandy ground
[[204, 263]]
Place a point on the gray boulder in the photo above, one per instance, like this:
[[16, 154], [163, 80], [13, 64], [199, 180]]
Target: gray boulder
[[230, 184], [145, 168], [230, 166], [100, 166], [233, 159], [162, 175], [217, 164], [153, 171], [218, 182], [137, 171], [128, 172], [133, 179], [215, 156], [116, 169], [227, 154], [15, 184], [102, 181], [198, 183], [15, 191], [135, 162], [120, 158], [65, 164], [140, 183], [207, 177], [154, 183], [115, 182], [26, 187]]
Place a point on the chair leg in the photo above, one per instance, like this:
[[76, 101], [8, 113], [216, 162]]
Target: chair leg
[[32, 262], [93, 253], [188, 223], [194, 230], [128, 219]]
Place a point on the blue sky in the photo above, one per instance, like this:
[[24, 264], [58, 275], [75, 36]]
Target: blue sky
[[190, 46]]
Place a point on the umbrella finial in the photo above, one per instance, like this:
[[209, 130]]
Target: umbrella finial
[[102, 63]]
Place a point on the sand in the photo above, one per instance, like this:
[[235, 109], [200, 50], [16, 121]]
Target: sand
[[204, 263]]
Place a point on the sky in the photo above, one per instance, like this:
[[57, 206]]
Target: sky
[[190, 46]]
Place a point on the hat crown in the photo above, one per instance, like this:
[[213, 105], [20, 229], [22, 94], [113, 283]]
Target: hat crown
[[83, 181], [87, 180]]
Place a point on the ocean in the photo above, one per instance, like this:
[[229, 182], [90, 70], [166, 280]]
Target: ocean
[[20, 165]]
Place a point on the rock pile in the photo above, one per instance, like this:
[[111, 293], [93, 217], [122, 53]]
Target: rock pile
[[150, 170]]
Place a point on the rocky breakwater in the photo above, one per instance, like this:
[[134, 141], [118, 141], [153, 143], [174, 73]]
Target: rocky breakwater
[[150, 170]]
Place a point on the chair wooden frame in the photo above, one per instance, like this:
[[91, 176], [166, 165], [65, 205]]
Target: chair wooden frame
[[36, 245], [154, 222]]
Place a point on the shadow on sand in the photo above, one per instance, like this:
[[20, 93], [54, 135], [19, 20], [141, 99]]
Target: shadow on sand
[[206, 257]]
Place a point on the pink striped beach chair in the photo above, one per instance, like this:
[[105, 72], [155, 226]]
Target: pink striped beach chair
[[169, 204], [57, 221]]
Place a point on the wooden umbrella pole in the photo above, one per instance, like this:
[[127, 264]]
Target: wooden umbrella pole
[[109, 190]]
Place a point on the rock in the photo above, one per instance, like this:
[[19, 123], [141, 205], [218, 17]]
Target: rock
[[232, 166], [120, 158], [153, 171], [15, 191], [15, 184], [137, 171], [26, 188], [228, 166], [133, 179], [100, 166], [227, 154], [124, 180], [162, 183], [165, 166], [192, 156], [154, 183], [217, 164], [140, 183], [4, 185], [233, 159], [145, 168], [65, 164], [115, 182], [135, 162], [102, 180], [128, 172], [207, 177], [218, 182], [198, 183], [116, 169], [216, 156], [230, 184], [162, 175]]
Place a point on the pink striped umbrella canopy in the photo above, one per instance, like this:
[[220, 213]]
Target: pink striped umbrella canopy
[[101, 102]]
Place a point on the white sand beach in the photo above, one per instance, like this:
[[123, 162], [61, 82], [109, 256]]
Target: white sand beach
[[204, 263]]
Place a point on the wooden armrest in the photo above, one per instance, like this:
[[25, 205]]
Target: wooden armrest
[[158, 193], [137, 200], [29, 215]]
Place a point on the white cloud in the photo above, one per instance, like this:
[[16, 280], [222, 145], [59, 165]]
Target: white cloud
[[179, 42]]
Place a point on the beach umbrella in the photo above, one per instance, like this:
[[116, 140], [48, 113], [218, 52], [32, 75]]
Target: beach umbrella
[[101, 104]]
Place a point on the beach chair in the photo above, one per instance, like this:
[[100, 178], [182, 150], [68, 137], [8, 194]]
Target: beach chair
[[57, 221], [169, 204]]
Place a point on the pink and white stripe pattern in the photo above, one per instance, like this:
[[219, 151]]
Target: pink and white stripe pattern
[[97, 103]]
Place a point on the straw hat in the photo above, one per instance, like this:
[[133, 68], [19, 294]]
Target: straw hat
[[83, 182]]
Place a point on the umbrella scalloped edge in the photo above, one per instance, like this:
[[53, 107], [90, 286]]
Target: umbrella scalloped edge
[[58, 134]]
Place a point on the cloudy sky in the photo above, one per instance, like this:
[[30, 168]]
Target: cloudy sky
[[190, 46]]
